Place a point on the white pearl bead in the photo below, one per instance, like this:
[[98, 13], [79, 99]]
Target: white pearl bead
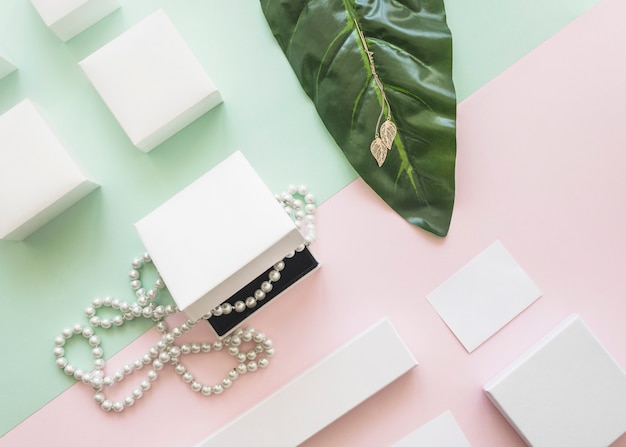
[[180, 369], [217, 311], [146, 359], [218, 345], [309, 218], [107, 381], [175, 351], [263, 363], [118, 376], [98, 363], [246, 336], [269, 352], [146, 257], [137, 393], [233, 350], [227, 383], [87, 332], [97, 302], [94, 340], [266, 286], [267, 344], [250, 302], [251, 355], [240, 306], [159, 283], [152, 375], [279, 266], [69, 370], [127, 369], [78, 374], [217, 389], [187, 377], [59, 351], [309, 208], [297, 204], [259, 337], [105, 323], [226, 308], [151, 294], [242, 368], [137, 263], [90, 311], [241, 357], [196, 386], [118, 407], [185, 349], [145, 385], [195, 348], [157, 365], [99, 398], [290, 255], [206, 390], [97, 352], [133, 274], [61, 362], [259, 294], [274, 276], [302, 190], [67, 332], [59, 341], [106, 301], [309, 198], [129, 401], [117, 320], [233, 374], [106, 405], [138, 364], [205, 347], [252, 366], [135, 284], [115, 303], [292, 189]]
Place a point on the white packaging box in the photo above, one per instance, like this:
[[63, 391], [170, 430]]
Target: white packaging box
[[323, 393], [565, 391], [443, 431], [6, 66], [151, 81], [67, 18], [218, 234], [38, 178]]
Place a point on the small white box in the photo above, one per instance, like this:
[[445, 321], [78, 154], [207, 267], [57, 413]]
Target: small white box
[[38, 178], [151, 81], [218, 234], [443, 431], [67, 18], [6, 66], [565, 391], [323, 393]]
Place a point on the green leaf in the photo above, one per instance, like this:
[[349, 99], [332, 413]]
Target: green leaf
[[412, 51]]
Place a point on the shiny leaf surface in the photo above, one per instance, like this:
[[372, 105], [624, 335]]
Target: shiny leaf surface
[[412, 51]]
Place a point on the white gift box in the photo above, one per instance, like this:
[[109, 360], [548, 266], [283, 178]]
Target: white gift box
[[38, 178], [6, 66], [67, 18], [443, 431], [151, 81], [565, 391], [323, 393], [217, 235]]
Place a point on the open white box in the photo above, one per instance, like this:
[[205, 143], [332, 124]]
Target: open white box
[[6, 66], [323, 393], [217, 235], [67, 18], [151, 81], [38, 178], [565, 391]]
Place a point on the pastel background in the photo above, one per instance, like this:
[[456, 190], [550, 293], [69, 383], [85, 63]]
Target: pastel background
[[540, 162]]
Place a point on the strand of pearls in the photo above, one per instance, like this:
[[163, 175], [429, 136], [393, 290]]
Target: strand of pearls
[[299, 204], [249, 359]]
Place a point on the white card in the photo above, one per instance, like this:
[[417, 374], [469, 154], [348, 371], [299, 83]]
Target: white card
[[443, 431], [482, 297]]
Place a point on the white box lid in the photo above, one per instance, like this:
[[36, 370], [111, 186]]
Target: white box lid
[[218, 234], [565, 391]]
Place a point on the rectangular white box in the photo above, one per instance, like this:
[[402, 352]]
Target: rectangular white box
[[565, 391], [151, 81], [38, 178], [67, 18], [6, 66], [443, 431], [217, 235], [323, 393]]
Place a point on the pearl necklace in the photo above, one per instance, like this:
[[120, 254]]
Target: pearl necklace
[[251, 348]]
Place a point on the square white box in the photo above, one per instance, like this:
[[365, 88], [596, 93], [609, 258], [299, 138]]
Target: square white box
[[151, 81], [565, 391], [6, 66], [67, 18], [443, 431], [323, 393], [218, 234], [38, 178], [485, 295]]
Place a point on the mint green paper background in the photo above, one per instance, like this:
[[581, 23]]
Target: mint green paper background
[[47, 280]]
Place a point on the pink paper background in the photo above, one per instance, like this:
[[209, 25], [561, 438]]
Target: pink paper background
[[540, 166]]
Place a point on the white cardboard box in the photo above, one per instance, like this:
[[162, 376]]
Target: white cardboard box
[[565, 391], [323, 393], [218, 234], [151, 81], [6, 66], [67, 18], [443, 431], [38, 178]]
